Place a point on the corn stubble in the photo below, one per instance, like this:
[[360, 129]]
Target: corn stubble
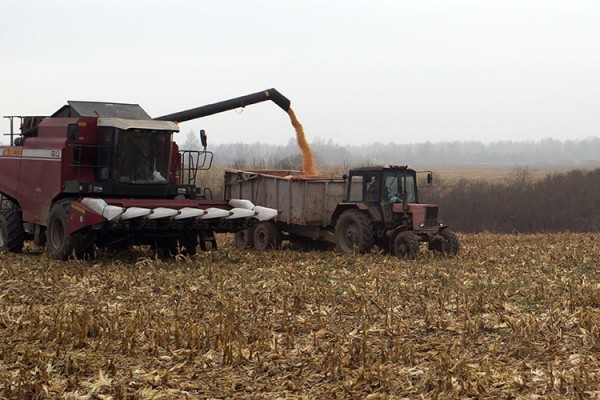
[[511, 317]]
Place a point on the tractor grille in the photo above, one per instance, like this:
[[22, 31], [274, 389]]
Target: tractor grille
[[431, 217]]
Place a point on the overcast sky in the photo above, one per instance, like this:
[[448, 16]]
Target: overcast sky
[[357, 72]]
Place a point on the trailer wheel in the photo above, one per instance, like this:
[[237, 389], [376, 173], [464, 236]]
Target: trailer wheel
[[244, 239], [12, 235], [406, 245], [266, 236], [446, 243], [354, 232], [59, 243]]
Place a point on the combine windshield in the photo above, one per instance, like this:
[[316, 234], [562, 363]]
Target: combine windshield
[[396, 183], [141, 156]]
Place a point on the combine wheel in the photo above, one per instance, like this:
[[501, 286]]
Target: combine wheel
[[266, 236], [354, 232], [406, 244], [244, 239], [59, 243], [446, 243], [12, 235]]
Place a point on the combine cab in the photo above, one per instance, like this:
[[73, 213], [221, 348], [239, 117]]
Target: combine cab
[[108, 175]]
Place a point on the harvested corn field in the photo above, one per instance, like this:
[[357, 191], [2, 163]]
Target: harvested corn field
[[513, 316]]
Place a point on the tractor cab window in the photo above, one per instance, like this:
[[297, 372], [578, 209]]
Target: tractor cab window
[[398, 182], [356, 188], [141, 156]]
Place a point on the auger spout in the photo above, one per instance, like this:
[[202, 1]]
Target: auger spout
[[231, 104]]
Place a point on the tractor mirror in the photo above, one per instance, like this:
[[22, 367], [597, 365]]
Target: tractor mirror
[[73, 132], [429, 178], [203, 138]]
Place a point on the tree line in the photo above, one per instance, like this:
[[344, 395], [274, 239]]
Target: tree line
[[521, 203], [330, 154], [568, 201]]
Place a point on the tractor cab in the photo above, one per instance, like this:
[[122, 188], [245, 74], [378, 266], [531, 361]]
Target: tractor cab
[[391, 195], [382, 185], [382, 207]]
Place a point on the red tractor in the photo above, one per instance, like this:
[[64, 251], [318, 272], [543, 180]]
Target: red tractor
[[371, 206], [109, 175]]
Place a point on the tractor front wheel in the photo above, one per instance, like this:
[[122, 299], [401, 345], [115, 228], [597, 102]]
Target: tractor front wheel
[[12, 235], [406, 245], [446, 242], [354, 232]]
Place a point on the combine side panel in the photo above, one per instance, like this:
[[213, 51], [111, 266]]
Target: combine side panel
[[10, 168], [41, 177]]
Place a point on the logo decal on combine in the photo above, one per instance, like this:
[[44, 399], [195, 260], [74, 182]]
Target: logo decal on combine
[[12, 152], [30, 154]]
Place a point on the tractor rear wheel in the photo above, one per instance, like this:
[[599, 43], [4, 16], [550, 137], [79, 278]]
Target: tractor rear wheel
[[12, 235], [406, 245], [446, 243], [266, 236], [59, 243], [354, 232], [244, 239]]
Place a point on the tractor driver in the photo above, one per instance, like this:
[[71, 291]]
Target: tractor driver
[[373, 189]]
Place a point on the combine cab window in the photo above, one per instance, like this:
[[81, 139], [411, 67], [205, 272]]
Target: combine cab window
[[141, 156], [396, 183]]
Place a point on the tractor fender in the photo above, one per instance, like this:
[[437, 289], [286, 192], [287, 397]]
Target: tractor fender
[[391, 233], [341, 207]]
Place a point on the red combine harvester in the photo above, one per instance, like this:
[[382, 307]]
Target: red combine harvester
[[109, 175]]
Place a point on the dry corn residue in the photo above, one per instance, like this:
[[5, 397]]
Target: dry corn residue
[[511, 317], [308, 160]]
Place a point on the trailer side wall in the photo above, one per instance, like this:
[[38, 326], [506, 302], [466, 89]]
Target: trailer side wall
[[301, 200]]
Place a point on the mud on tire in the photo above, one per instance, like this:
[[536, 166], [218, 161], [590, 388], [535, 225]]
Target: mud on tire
[[446, 242], [244, 239], [406, 245], [266, 236], [354, 232]]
